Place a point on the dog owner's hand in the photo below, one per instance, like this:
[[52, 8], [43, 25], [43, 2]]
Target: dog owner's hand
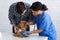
[[15, 28]]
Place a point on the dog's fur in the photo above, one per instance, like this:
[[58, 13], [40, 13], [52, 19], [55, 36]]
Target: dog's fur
[[22, 25]]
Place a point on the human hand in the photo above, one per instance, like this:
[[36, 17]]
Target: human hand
[[25, 32]]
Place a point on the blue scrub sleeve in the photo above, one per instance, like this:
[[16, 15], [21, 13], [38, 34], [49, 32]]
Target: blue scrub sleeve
[[44, 24]]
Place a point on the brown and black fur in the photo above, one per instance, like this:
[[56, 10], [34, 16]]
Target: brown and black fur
[[22, 25]]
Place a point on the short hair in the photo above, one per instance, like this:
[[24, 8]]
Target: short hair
[[20, 7], [38, 6]]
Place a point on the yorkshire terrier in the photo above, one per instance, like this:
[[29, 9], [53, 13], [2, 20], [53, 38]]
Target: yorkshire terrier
[[22, 26]]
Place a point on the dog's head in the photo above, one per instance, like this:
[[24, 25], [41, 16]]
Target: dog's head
[[23, 25]]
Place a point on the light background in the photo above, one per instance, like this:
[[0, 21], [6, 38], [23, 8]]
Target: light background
[[54, 12]]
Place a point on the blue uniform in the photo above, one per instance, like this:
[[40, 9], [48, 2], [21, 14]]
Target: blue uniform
[[44, 22]]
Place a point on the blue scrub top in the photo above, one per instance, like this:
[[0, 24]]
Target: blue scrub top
[[45, 23]]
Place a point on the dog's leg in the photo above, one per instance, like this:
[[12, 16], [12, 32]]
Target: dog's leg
[[18, 34]]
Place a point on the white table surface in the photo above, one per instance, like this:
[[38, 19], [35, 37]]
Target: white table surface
[[6, 34], [9, 36]]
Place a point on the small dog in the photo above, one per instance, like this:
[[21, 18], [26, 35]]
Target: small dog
[[22, 26]]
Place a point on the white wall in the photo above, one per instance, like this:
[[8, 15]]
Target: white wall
[[54, 11]]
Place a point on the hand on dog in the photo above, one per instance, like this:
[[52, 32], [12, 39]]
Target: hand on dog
[[15, 28], [30, 23], [25, 32]]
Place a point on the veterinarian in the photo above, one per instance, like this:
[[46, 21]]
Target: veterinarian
[[18, 11], [45, 26]]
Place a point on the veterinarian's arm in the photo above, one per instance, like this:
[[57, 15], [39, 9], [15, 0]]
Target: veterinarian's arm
[[30, 23], [36, 31]]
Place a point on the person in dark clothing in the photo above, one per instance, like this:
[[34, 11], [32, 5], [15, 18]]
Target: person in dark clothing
[[17, 12]]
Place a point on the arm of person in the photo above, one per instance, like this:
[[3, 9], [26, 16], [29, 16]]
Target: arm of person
[[11, 16], [44, 25], [31, 32], [30, 23], [35, 31]]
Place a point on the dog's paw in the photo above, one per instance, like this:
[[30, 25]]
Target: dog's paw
[[20, 35]]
